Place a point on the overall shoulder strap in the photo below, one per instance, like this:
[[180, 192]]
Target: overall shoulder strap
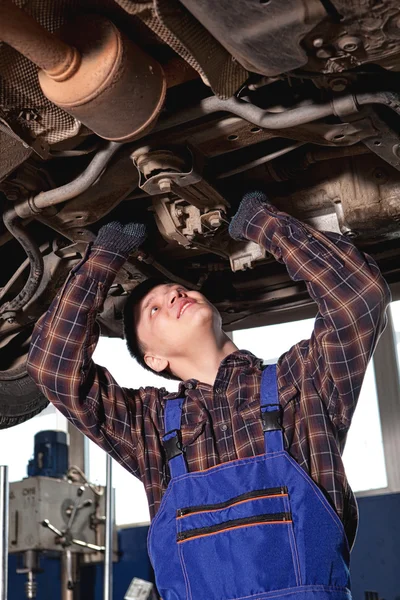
[[271, 411], [172, 441]]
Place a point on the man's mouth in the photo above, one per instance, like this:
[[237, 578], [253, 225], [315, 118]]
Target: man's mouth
[[184, 305]]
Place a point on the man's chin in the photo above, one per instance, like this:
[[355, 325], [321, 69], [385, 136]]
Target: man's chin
[[198, 315]]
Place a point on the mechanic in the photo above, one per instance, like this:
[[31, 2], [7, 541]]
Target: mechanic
[[242, 466]]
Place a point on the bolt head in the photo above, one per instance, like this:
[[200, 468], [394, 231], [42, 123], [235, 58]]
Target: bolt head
[[214, 222], [164, 185], [349, 43], [324, 53], [318, 42], [380, 175], [338, 84]]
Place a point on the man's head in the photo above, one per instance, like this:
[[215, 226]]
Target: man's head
[[163, 322]]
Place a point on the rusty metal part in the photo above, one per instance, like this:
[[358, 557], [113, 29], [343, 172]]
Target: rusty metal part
[[80, 238], [349, 43], [178, 71], [366, 187], [259, 161], [13, 224], [19, 30], [384, 139], [377, 21], [131, 274], [112, 186], [168, 221], [344, 227], [18, 273], [284, 169], [194, 229], [25, 181], [194, 219], [369, 193], [165, 171], [243, 255], [212, 219], [56, 269], [298, 115], [221, 135], [13, 152], [35, 204], [115, 77], [181, 222], [89, 70], [251, 113], [148, 161], [88, 149], [38, 145], [366, 32], [218, 136]]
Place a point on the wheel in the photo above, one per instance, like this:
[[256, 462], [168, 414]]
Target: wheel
[[20, 398]]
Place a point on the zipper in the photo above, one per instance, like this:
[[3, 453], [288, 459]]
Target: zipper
[[277, 491], [246, 521]]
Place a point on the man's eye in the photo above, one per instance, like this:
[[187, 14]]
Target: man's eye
[[153, 310]]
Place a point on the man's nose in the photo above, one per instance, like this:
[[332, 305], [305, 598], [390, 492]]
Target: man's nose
[[174, 296]]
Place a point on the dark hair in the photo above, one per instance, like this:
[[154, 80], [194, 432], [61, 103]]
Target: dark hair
[[134, 345]]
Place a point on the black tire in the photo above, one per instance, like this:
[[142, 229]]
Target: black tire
[[20, 398]]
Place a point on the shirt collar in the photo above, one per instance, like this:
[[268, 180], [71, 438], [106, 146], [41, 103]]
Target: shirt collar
[[239, 358]]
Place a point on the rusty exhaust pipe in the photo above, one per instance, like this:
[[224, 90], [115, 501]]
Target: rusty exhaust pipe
[[92, 71], [19, 30]]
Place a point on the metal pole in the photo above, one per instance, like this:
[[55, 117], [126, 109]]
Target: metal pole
[[388, 390], [3, 532], [76, 447], [108, 554], [70, 575]]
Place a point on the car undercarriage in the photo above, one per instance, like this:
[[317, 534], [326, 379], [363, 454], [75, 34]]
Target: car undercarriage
[[169, 111]]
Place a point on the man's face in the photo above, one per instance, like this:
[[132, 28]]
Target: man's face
[[170, 320]]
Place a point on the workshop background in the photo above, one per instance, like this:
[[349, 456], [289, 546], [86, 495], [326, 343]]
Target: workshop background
[[371, 460]]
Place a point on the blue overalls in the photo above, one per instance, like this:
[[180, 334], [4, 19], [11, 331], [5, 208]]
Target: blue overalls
[[253, 528]]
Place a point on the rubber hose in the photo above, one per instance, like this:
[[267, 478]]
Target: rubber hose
[[14, 226]]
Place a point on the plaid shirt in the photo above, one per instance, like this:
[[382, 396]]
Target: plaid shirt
[[319, 379]]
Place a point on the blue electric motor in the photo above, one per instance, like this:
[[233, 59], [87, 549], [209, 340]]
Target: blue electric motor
[[50, 457]]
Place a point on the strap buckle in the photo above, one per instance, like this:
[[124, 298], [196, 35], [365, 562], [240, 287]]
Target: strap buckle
[[271, 420], [173, 446]]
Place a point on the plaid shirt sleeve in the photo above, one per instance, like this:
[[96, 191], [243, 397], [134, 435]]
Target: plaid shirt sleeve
[[352, 297], [60, 363]]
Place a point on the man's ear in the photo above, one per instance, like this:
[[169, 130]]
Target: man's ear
[[155, 363]]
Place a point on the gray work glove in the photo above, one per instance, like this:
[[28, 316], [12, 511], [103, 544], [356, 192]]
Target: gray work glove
[[250, 204], [121, 238]]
